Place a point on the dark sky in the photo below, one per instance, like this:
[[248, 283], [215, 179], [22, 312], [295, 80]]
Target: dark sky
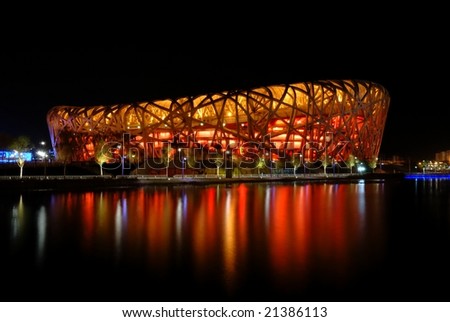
[[409, 59]]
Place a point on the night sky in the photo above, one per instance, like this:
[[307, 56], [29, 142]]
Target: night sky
[[410, 59]]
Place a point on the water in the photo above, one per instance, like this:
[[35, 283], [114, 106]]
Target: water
[[362, 241]]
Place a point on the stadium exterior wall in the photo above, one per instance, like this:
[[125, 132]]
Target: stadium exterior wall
[[320, 121]]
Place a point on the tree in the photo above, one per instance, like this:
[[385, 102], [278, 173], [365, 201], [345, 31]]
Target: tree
[[351, 161], [297, 161], [219, 162], [64, 149], [102, 153], [64, 155], [373, 163], [5, 141], [21, 145], [236, 160], [20, 163], [167, 156], [261, 163]]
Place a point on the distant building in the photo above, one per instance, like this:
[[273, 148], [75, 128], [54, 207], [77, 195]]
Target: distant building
[[338, 119], [443, 156], [7, 156]]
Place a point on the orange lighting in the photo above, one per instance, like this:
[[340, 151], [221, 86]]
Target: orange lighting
[[354, 109]]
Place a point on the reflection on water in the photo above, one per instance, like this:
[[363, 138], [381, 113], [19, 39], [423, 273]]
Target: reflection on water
[[41, 234], [216, 242]]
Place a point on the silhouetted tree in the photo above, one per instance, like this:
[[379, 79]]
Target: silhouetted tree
[[5, 140], [373, 163], [351, 161]]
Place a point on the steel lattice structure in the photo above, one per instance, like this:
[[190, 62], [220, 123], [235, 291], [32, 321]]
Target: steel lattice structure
[[297, 117]]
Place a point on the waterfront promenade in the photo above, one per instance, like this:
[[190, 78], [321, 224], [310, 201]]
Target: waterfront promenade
[[84, 182]]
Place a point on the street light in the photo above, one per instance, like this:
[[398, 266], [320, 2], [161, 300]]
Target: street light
[[306, 157], [183, 161], [269, 159], [328, 138], [167, 159], [228, 164], [301, 163], [296, 167], [43, 155]]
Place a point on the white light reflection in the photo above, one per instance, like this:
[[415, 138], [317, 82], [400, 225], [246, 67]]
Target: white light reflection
[[41, 234], [362, 199], [14, 222], [120, 221], [118, 229], [267, 208], [17, 219], [179, 220], [181, 211]]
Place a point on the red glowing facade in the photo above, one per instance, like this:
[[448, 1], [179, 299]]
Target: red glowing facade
[[338, 119]]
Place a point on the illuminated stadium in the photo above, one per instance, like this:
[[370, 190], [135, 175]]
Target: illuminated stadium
[[281, 126]]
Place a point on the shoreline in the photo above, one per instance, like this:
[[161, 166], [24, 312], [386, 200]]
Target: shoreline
[[97, 182]]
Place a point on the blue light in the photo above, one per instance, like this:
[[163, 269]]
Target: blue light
[[428, 176], [11, 156]]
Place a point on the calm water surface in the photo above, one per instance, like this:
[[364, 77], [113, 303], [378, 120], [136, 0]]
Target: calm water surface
[[366, 241]]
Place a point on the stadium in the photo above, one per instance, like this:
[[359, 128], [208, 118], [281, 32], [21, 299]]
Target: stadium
[[311, 124]]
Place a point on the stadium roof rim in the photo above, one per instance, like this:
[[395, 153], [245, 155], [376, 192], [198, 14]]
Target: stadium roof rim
[[342, 82]]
